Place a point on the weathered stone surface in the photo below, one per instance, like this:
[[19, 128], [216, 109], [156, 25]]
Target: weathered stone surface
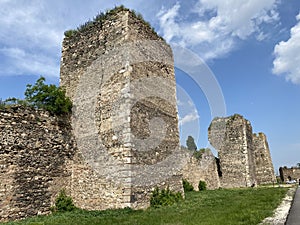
[[264, 168], [204, 169], [34, 150]]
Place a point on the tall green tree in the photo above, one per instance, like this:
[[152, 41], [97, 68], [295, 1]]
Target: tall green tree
[[190, 143]]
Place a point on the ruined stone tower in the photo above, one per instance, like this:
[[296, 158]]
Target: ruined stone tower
[[120, 76], [232, 138], [264, 168], [244, 157]]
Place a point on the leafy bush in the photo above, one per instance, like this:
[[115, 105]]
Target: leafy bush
[[202, 185], [187, 186], [164, 197], [48, 97], [63, 203]]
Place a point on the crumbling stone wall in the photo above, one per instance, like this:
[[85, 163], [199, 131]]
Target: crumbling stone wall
[[204, 169], [120, 77], [264, 168], [287, 174], [232, 138], [35, 148]]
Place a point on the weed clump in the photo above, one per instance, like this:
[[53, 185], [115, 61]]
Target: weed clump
[[164, 197]]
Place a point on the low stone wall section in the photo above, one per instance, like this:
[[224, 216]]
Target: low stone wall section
[[34, 150]]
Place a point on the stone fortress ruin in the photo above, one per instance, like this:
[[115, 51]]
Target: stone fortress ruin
[[122, 139], [244, 157]]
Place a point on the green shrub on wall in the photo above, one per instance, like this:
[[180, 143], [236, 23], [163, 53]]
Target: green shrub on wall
[[164, 197]]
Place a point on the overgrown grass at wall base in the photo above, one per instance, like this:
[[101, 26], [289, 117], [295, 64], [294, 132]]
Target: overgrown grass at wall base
[[248, 206], [202, 185], [63, 203], [164, 197], [187, 186]]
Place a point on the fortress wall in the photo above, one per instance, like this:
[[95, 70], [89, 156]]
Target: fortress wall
[[204, 169], [35, 148]]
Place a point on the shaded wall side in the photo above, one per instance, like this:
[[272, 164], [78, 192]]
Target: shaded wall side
[[263, 162], [156, 156]]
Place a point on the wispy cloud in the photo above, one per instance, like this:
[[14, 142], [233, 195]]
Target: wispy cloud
[[32, 33], [216, 25], [191, 117], [287, 56], [24, 62]]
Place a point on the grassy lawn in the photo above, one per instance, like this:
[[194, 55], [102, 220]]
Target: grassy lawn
[[224, 206]]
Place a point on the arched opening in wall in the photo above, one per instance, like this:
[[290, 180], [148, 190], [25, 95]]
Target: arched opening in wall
[[289, 178], [218, 167]]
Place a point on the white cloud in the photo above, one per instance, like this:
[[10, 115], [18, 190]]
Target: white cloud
[[216, 24], [32, 33], [191, 117], [287, 56], [23, 62]]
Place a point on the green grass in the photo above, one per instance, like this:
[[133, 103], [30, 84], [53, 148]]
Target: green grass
[[224, 206]]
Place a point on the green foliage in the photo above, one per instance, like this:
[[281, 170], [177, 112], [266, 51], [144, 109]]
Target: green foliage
[[101, 17], [187, 186], [202, 185], [48, 97], [190, 143], [63, 203], [70, 33], [164, 197]]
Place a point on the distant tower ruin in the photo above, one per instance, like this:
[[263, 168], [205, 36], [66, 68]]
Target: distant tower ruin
[[232, 138], [120, 76], [244, 157], [264, 168]]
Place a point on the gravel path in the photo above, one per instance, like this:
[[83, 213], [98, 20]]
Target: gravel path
[[282, 211]]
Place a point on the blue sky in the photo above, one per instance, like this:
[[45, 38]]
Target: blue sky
[[250, 51]]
